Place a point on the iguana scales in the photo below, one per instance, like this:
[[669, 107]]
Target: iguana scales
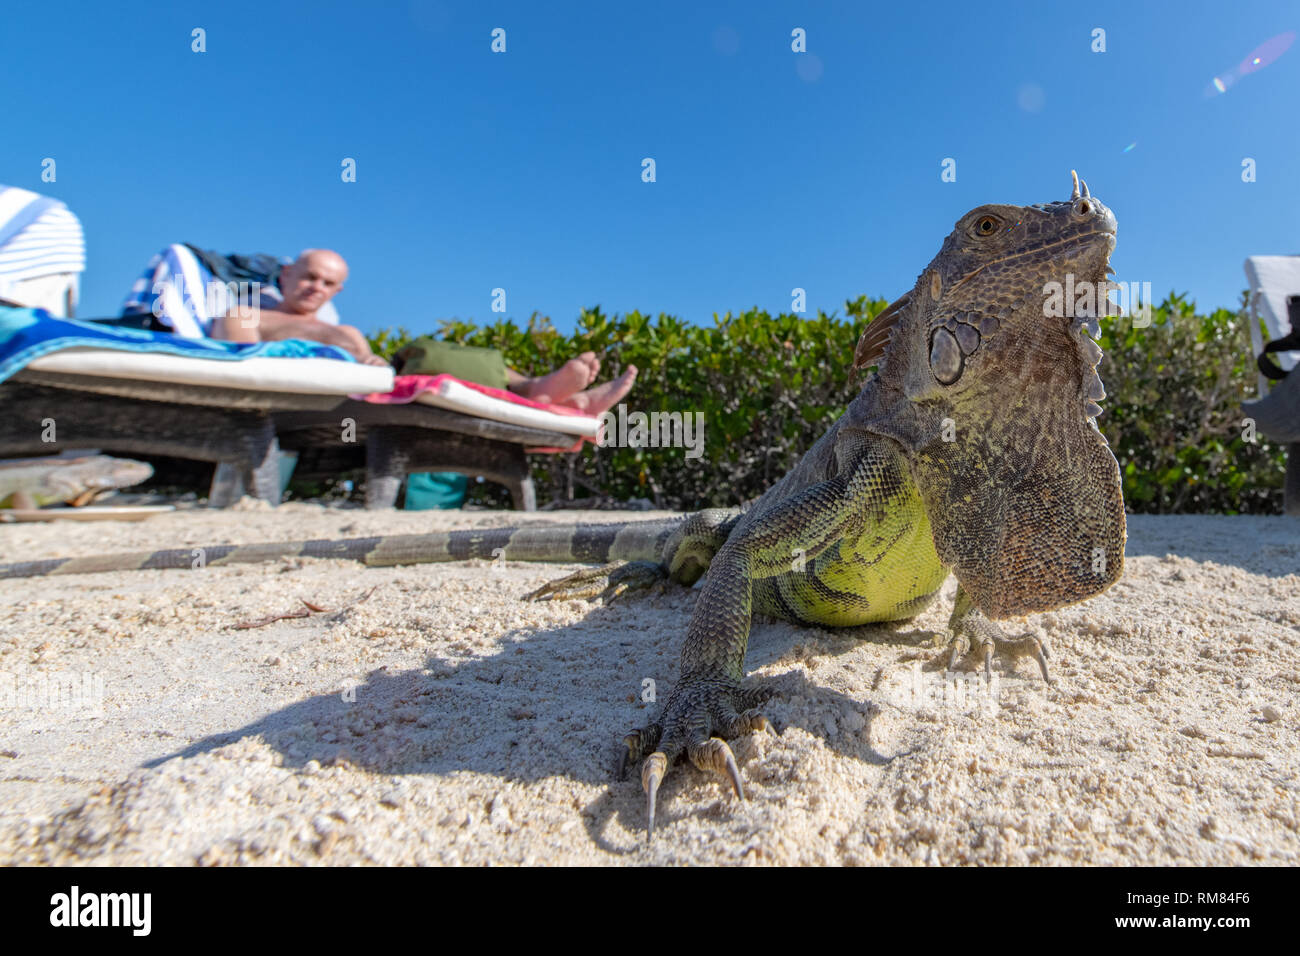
[[971, 449]]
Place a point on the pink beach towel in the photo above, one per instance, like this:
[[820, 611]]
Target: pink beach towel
[[407, 388]]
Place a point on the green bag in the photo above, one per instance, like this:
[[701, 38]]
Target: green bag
[[469, 363]]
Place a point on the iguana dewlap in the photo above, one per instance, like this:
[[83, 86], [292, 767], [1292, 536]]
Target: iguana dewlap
[[971, 450]]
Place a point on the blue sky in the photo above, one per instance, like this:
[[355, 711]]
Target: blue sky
[[522, 170]]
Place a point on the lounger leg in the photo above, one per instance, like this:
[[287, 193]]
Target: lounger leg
[[387, 464], [227, 486], [257, 475], [264, 475], [1291, 488], [522, 494]]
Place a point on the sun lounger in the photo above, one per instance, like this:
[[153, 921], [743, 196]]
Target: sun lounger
[[1277, 411], [217, 415], [190, 401], [432, 423]]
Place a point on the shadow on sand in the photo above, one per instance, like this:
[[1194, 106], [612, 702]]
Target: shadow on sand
[[505, 716]]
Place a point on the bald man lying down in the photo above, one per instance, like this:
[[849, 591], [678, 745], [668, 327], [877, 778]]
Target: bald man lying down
[[315, 277]]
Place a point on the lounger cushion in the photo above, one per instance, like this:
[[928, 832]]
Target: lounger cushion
[[30, 339], [317, 376]]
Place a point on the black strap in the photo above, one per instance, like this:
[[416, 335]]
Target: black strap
[[1267, 367], [259, 267]]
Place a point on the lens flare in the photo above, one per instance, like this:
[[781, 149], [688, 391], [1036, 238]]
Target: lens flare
[[1267, 52], [1130, 147], [1258, 58]]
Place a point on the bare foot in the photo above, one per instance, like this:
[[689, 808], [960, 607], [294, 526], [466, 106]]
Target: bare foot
[[373, 359], [603, 397], [571, 377]]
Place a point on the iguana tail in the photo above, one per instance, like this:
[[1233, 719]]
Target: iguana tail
[[571, 544]]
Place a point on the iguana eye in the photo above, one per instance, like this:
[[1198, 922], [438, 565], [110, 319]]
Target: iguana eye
[[986, 226]]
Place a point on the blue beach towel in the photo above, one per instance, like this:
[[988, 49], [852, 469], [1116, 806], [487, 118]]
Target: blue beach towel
[[27, 334]]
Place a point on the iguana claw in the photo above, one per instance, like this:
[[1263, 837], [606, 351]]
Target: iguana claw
[[1028, 646], [636, 744], [652, 774], [693, 715], [967, 621], [608, 581], [716, 756], [712, 755]]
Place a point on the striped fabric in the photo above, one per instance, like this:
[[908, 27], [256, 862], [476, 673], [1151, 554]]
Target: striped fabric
[[182, 294], [174, 287], [39, 236]]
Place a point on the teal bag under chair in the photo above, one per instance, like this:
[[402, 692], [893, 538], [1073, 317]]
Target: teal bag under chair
[[429, 490]]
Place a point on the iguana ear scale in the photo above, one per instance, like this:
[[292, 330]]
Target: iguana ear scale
[[876, 338]]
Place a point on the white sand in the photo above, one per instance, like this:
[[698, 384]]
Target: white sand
[[485, 730]]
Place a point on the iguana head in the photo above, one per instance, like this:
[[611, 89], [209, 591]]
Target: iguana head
[[987, 379]]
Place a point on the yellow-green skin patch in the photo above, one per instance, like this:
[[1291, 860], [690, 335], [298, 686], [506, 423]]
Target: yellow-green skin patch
[[888, 572]]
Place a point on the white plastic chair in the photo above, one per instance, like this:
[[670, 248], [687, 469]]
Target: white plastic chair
[[42, 252], [1270, 280], [1277, 411]]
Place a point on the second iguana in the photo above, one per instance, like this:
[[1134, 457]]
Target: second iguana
[[971, 450], [36, 482]]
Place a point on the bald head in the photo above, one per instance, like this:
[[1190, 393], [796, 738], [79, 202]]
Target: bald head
[[315, 277]]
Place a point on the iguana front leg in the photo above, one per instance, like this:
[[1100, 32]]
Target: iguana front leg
[[969, 625], [709, 703]]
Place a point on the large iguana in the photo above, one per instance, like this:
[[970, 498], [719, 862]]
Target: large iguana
[[971, 449]]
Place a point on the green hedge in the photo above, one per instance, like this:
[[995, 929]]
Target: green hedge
[[768, 386], [1173, 415]]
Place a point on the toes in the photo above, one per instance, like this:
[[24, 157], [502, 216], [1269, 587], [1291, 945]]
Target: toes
[[586, 366], [587, 583], [1029, 646], [633, 576], [638, 743], [715, 755], [692, 713], [1040, 654], [652, 774], [746, 723], [960, 648]]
